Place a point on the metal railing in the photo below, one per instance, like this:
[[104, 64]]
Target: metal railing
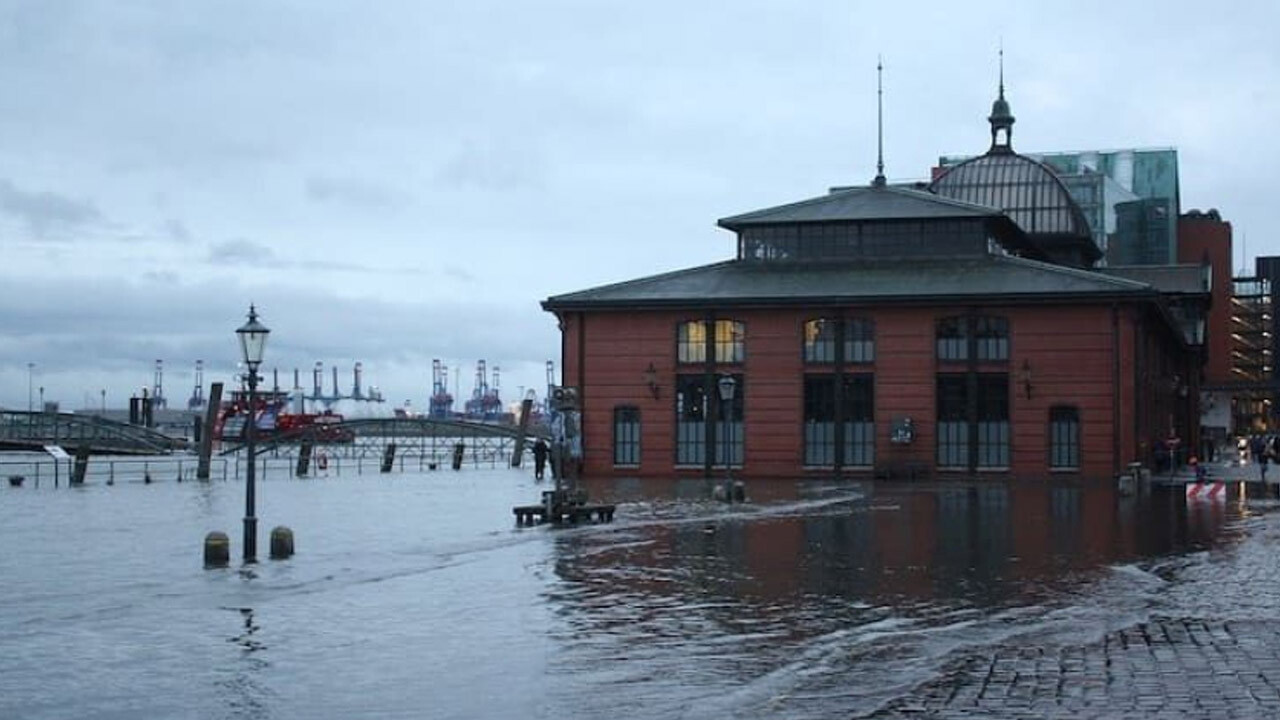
[[45, 470]]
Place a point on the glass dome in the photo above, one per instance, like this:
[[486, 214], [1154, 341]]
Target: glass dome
[[1024, 189]]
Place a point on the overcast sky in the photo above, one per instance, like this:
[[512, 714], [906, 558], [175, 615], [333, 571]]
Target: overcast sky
[[393, 182]]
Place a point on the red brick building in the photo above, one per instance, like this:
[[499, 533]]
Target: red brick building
[[958, 329]]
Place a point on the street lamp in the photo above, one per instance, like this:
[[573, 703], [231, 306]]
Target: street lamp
[[30, 401], [253, 340], [727, 386]]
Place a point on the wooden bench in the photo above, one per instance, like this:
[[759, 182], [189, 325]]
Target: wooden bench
[[531, 514]]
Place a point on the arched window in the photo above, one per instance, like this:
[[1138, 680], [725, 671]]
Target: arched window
[[983, 338], [626, 435], [728, 341], [1064, 438], [991, 335], [691, 341], [820, 341], [952, 335], [859, 341], [821, 337]]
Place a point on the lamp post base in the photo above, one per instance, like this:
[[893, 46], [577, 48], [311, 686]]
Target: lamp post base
[[250, 539]]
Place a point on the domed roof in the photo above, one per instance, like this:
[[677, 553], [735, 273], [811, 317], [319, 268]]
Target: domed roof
[[1029, 192]]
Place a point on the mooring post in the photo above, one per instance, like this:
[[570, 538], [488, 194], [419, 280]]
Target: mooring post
[[81, 465], [281, 543], [304, 459], [217, 550], [206, 438]]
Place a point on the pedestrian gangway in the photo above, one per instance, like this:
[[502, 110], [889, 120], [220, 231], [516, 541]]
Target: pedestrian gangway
[[430, 438], [36, 430]]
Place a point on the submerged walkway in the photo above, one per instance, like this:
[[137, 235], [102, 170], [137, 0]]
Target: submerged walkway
[[1210, 648], [1166, 668]]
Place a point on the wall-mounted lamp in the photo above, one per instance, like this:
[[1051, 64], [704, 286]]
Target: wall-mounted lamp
[[1025, 377], [650, 378]]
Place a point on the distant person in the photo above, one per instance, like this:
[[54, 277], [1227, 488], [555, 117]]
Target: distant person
[[1258, 450], [540, 451], [1202, 473]]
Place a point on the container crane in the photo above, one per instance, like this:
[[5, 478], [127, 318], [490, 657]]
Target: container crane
[[441, 404], [196, 401], [475, 406], [157, 388]]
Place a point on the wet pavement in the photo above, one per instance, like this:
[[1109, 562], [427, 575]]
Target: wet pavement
[[1217, 658], [1166, 668]]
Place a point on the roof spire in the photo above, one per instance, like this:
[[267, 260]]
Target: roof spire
[[879, 180], [1001, 68], [1001, 118]]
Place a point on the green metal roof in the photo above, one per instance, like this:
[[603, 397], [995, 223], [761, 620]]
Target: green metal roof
[[864, 203], [1169, 279], [740, 282]]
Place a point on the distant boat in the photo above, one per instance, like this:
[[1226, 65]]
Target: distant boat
[[273, 418]]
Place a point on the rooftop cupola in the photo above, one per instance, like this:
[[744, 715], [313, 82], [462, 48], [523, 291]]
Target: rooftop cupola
[[1001, 118]]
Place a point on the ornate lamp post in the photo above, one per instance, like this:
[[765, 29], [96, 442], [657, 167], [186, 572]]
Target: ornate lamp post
[[253, 341], [727, 387]]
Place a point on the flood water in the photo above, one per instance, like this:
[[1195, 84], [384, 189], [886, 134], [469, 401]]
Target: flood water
[[415, 595]]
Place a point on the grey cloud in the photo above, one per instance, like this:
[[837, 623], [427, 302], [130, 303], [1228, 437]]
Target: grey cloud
[[460, 273], [240, 252], [490, 166], [248, 252], [352, 191], [46, 214], [176, 230]]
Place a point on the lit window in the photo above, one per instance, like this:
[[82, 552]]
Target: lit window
[[691, 342], [820, 341]]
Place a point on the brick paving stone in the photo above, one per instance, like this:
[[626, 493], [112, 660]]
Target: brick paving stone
[[1165, 668]]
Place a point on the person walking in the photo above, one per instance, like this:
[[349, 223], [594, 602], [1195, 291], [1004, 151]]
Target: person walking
[[1258, 449], [539, 458]]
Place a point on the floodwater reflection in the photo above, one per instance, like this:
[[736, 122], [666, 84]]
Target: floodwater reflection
[[418, 596], [844, 594]]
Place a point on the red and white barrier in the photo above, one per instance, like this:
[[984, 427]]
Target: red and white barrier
[[1207, 491]]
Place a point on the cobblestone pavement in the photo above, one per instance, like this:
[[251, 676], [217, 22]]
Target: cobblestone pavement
[[1209, 648], [1165, 668]]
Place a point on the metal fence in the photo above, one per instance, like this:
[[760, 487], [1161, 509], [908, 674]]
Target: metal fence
[[39, 470]]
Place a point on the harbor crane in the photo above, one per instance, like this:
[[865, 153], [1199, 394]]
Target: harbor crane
[[441, 403]]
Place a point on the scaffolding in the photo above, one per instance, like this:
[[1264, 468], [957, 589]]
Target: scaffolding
[[1251, 356]]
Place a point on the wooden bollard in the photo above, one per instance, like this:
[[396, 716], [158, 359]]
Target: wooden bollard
[[217, 550], [281, 543]]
